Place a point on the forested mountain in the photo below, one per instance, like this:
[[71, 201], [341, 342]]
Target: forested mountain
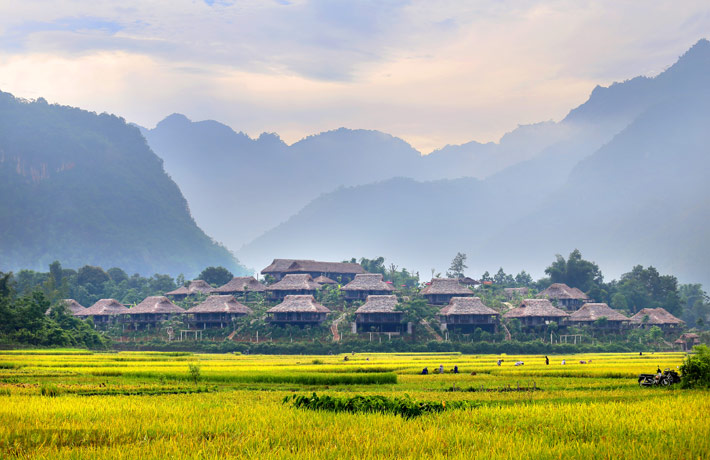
[[624, 183], [86, 189]]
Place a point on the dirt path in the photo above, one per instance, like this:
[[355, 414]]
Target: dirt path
[[334, 327], [507, 332], [431, 330]]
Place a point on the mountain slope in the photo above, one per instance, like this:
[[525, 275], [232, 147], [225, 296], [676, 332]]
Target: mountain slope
[[86, 189]]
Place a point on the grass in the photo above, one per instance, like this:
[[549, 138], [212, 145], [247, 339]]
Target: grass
[[144, 405]]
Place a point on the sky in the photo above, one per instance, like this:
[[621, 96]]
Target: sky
[[431, 72]]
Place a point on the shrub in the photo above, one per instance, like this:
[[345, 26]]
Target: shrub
[[194, 372], [695, 370]]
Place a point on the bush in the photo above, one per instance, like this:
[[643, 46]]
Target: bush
[[695, 370]]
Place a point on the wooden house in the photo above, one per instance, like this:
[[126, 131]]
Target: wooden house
[[366, 284], [217, 311], [465, 314], [590, 313], [298, 310], [379, 314], [195, 287], [648, 317], [104, 312], [441, 290], [511, 293], [325, 281], [293, 285], [240, 285], [564, 296], [72, 306], [687, 341], [340, 271], [536, 313], [153, 310]]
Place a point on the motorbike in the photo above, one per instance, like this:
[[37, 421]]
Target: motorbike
[[668, 377]]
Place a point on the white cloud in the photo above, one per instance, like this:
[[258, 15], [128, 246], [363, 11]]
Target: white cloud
[[431, 72]]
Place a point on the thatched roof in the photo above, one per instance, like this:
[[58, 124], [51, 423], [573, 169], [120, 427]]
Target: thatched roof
[[655, 316], [378, 304], [307, 266], [72, 305], [241, 284], [367, 282], [467, 281], [590, 312], [535, 307], [220, 304], [512, 292], [446, 286], [105, 307], [156, 304], [324, 280], [195, 287], [299, 303], [294, 282], [466, 306], [560, 291]]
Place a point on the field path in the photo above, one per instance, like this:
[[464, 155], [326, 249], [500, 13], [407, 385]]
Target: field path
[[334, 327], [431, 330], [507, 332]]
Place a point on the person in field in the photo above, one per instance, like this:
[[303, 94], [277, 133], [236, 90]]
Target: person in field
[[547, 361], [441, 368], [564, 361], [425, 371], [456, 369], [519, 363], [499, 362]]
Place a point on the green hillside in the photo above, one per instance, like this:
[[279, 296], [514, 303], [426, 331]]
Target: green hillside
[[86, 189]]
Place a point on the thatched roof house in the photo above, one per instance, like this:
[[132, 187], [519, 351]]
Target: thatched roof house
[[688, 340], [240, 285], [536, 312], [195, 287], [298, 310], [104, 311], [152, 310], [366, 284], [468, 281], [71, 305], [565, 296], [515, 292], [334, 270], [217, 311], [293, 285], [466, 314], [441, 290], [379, 313], [648, 317], [589, 313], [324, 280]]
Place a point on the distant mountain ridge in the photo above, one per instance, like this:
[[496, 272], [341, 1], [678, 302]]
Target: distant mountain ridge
[[623, 181], [84, 188]]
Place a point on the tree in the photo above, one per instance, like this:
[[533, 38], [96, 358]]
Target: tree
[[523, 279], [216, 275], [695, 370], [646, 288], [575, 272], [458, 265], [88, 274]]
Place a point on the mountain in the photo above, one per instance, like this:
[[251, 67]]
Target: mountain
[[623, 181], [84, 188]]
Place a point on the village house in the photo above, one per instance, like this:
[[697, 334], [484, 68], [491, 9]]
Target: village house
[[366, 284], [72, 306], [465, 314], [441, 290], [298, 310], [599, 315], [153, 310], [511, 293], [293, 285], [325, 281], [342, 272], [217, 311], [379, 314], [687, 341], [648, 317], [564, 296], [104, 312], [240, 286], [536, 313], [195, 287]]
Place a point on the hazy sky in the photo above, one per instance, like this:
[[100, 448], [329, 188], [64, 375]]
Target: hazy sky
[[431, 72]]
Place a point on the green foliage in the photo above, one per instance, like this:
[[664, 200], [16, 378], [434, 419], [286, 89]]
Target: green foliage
[[575, 272], [695, 370], [216, 276], [194, 371], [646, 288], [399, 278], [404, 406], [458, 266]]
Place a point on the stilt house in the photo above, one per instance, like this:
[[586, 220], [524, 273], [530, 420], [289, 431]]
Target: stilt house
[[217, 311], [441, 290], [379, 314], [536, 313], [341, 271], [298, 310], [564, 296], [365, 285], [465, 314], [152, 311], [104, 312], [293, 285], [590, 313]]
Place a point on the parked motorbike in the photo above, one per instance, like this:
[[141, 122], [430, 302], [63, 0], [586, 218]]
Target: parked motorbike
[[668, 377]]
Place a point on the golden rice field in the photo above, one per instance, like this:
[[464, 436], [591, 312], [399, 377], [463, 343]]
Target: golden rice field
[[72, 404]]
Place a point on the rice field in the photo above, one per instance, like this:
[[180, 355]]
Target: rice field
[[69, 404]]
